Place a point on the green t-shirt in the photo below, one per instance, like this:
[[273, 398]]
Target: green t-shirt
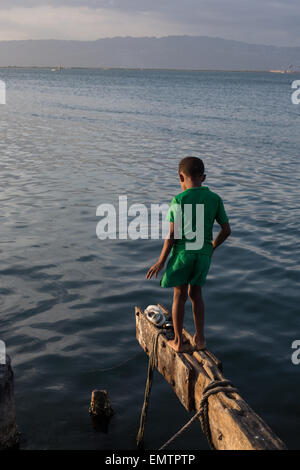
[[194, 212]]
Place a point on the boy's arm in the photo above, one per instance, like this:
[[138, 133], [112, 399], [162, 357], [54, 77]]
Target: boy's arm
[[223, 234], [168, 244]]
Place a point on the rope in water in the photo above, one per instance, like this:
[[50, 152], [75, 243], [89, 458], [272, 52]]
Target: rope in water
[[151, 366], [181, 431], [212, 388]]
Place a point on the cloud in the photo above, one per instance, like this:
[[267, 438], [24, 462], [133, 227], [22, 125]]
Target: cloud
[[187, 7], [78, 23], [256, 21]]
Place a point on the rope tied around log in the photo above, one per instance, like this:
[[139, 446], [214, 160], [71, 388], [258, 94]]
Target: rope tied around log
[[211, 389], [214, 387]]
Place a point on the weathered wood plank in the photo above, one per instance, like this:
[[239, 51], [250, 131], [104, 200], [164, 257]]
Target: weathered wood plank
[[234, 425]]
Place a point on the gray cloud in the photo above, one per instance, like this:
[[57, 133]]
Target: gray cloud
[[186, 6]]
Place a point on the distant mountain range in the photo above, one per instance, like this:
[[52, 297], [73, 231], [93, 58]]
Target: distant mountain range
[[178, 52]]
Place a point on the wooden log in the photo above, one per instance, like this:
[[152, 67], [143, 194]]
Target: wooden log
[[174, 367], [8, 428], [233, 424]]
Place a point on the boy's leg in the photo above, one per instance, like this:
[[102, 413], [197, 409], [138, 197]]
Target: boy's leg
[[179, 300], [195, 294]]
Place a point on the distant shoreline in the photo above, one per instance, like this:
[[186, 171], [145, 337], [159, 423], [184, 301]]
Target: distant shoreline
[[193, 53], [57, 69]]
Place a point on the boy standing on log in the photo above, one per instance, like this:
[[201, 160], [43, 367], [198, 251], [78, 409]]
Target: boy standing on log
[[191, 215]]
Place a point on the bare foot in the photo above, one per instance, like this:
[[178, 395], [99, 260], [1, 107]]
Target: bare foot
[[180, 348], [199, 344]]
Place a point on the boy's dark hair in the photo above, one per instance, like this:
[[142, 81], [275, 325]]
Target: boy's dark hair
[[191, 166]]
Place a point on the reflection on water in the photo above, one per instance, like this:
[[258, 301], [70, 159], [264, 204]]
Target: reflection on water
[[74, 140]]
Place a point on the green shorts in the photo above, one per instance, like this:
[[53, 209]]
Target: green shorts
[[186, 267]]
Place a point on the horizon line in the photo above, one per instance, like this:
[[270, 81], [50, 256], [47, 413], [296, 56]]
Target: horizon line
[[104, 67]]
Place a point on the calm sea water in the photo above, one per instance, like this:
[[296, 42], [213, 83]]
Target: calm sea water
[[73, 140]]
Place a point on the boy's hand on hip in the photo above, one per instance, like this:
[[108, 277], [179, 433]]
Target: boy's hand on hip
[[154, 270]]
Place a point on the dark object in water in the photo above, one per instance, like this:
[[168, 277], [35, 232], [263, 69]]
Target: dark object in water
[[9, 436], [100, 410]]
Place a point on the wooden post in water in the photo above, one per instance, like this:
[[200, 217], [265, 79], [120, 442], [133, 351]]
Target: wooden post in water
[[233, 424], [8, 428], [100, 410], [100, 404]]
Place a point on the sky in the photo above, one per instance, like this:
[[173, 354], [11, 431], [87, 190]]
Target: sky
[[253, 21]]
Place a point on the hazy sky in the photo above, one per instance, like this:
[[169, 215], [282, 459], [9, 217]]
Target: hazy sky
[[256, 21]]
